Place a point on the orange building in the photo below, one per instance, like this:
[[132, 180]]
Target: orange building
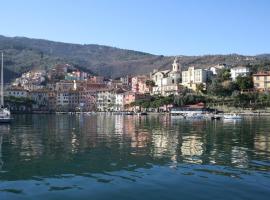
[[261, 81]]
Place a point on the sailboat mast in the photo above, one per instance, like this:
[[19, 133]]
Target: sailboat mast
[[2, 81]]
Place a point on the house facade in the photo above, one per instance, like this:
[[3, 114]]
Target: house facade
[[17, 92], [138, 84], [192, 77], [119, 102], [167, 81], [105, 100], [261, 81], [239, 71]]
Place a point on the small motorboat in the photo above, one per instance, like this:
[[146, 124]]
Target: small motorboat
[[128, 113], [215, 117], [141, 113], [5, 115], [194, 116]]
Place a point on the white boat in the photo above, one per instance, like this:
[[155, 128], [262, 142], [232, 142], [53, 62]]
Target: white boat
[[5, 116], [232, 116]]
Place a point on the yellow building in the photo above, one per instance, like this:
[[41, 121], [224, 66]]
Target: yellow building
[[261, 81], [192, 77]]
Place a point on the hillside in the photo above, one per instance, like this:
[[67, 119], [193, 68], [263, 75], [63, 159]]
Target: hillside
[[23, 54]]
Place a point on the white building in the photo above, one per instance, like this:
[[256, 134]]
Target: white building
[[239, 71], [215, 69], [62, 98], [41, 99], [126, 80], [119, 102], [105, 100], [167, 81]]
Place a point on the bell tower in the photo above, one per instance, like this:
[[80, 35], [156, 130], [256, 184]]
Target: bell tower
[[176, 65]]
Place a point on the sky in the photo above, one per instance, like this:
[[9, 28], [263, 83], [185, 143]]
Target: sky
[[162, 27]]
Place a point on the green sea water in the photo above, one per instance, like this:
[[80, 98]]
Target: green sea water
[[132, 157]]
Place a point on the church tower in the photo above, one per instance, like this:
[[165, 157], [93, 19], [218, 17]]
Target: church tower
[[176, 66]]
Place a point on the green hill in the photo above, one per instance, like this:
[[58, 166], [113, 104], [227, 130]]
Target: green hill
[[23, 54]]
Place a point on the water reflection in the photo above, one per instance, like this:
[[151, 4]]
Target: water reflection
[[51, 145]]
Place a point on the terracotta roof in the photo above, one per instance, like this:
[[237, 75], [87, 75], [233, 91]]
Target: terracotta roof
[[16, 89], [262, 74]]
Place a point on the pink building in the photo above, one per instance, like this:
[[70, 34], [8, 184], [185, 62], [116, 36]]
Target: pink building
[[131, 97], [97, 79], [138, 84]]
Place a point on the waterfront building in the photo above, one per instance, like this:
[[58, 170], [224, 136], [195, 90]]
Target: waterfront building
[[87, 100], [16, 92], [239, 71], [105, 100], [261, 80], [51, 100], [76, 99], [130, 97], [119, 102], [68, 100], [40, 98], [62, 100], [73, 100]]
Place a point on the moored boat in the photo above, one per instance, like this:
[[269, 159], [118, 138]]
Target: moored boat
[[215, 117], [195, 116]]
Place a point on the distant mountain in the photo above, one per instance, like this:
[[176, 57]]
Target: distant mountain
[[23, 54]]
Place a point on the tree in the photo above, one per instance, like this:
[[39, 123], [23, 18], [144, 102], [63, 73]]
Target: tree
[[224, 75], [244, 82], [216, 88], [199, 87], [150, 83]]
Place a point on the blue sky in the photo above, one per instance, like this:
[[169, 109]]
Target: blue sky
[[167, 27]]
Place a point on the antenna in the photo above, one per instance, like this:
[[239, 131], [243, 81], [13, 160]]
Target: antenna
[[2, 81]]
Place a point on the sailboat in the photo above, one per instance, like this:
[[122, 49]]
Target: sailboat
[[5, 116]]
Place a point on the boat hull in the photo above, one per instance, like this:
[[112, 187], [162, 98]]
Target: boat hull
[[232, 117]]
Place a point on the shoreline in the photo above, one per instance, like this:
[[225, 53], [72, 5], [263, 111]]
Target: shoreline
[[255, 113]]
